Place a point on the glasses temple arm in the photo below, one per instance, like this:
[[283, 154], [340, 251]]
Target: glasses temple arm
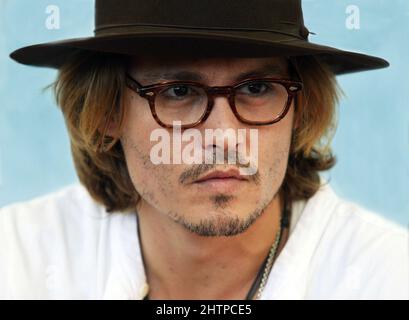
[[132, 83]]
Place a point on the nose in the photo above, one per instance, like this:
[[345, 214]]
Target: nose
[[224, 125], [221, 115]]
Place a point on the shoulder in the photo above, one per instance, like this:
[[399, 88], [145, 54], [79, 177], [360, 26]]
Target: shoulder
[[366, 229], [72, 198], [362, 252], [41, 237], [345, 218], [54, 211]]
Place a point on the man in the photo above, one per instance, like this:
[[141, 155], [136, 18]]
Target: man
[[151, 221]]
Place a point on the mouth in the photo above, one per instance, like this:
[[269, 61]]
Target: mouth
[[221, 181]]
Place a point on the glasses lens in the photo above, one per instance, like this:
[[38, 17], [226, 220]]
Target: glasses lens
[[181, 102], [260, 100]]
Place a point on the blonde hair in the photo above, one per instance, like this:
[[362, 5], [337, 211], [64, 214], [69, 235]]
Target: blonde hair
[[90, 88]]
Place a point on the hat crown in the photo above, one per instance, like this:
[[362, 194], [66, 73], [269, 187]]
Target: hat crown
[[259, 15]]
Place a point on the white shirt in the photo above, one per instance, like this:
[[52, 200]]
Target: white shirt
[[65, 246]]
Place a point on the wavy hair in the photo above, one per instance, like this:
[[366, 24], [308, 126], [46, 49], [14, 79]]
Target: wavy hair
[[89, 90]]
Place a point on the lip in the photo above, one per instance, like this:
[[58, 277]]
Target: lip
[[222, 175], [221, 181]]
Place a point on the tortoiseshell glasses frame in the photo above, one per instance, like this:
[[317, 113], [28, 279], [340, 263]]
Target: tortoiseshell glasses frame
[[150, 92]]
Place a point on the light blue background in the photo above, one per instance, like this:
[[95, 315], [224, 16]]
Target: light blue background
[[371, 143]]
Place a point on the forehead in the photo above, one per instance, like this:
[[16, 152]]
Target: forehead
[[156, 66]]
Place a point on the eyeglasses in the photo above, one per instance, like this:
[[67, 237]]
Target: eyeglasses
[[254, 101]]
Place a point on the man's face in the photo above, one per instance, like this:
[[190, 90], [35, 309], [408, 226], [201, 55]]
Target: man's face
[[217, 207]]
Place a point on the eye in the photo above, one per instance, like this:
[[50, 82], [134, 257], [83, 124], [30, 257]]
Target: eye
[[179, 91], [255, 88]]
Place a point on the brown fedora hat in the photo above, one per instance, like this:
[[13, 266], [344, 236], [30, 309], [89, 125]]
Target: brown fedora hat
[[211, 27]]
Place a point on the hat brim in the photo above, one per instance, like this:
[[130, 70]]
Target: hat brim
[[54, 54]]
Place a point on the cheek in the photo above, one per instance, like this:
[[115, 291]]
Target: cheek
[[274, 147], [153, 182], [137, 128], [138, 112], [136, 143], [274, 159], [156, 183]]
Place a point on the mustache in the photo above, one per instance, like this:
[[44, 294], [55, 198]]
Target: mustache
[[196, 170]]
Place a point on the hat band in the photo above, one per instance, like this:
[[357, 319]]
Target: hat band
[[292, 30]]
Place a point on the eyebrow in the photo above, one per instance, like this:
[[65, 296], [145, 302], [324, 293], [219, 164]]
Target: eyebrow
[[268, 70]]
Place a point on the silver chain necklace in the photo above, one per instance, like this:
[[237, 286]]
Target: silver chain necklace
[[269, 264], [260, 282]]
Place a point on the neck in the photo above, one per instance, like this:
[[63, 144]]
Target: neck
[[183, 265]]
